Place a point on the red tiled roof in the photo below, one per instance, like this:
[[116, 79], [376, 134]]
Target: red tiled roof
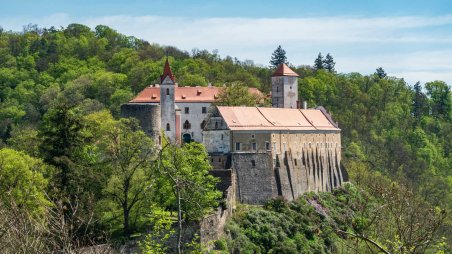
[[256, 118], [167, 72], [184, 94], [284, 70]]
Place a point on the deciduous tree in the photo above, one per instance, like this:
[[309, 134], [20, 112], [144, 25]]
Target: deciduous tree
[[237, 94], [128, 152], [186, 170]]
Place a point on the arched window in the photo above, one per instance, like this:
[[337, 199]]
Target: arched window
[[167, 91], [168, 127], [187, 125]]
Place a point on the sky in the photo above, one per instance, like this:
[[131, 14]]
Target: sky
[[410, 39]]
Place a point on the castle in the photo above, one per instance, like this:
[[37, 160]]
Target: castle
[[262, 152], [181, 112]]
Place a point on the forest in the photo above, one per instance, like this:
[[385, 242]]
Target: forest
[[73, 174]]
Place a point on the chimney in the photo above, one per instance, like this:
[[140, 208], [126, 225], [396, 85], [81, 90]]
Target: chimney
[[305, 105]]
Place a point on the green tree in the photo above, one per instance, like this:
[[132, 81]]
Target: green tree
[[278, 57], [62, 139], [329, 63], [440, 97], [237, 94], [319, 62], [23, 179], [129, 153], [380, 72], [186, 170], [420, 102], [25, 139]]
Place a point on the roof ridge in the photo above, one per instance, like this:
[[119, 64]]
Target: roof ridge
[[264, 116], [307, 119]]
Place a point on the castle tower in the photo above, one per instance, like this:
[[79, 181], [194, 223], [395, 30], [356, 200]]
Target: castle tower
[[167, 103], [284, 87]]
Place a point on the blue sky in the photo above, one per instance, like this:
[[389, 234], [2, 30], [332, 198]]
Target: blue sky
[[409, 39]]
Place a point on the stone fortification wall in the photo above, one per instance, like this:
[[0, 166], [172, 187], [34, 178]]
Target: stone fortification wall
[[147, 114], [212, 226], [255, 174], [298, 163], [314, 159]]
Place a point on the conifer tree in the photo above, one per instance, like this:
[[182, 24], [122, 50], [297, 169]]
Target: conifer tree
[[420, 102], [278, 57], [329, 63], [380, 72], [318, 63]]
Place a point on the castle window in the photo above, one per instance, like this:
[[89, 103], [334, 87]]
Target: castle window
[[187, 110], [267, 146], [253, 163], [168, 127], [219, 159], [167, 91], [252, 136], [237, 146], [221, 136], [187, 125], [277, 89], [204, 110], [203, 124], [290, 87], [254, 146], [295, 161], [216, 125]]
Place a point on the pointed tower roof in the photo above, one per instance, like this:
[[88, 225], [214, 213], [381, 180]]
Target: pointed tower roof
[[284, 70], [167, 72]]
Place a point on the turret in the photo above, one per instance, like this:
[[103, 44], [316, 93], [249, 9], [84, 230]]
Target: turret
[[284, 87], [167, 103]]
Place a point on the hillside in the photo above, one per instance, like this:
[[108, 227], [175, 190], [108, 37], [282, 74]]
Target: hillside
[[60, 92]]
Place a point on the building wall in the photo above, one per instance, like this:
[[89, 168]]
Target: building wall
[[297, 162], [255, 177], [284, 92], [148, 115], [216, 137], [168, 112], [278, 92], [195, 117], [246, 140]]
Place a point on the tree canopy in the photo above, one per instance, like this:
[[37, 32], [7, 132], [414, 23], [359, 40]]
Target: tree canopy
[[60, 95], [278, 57], [319, 62]]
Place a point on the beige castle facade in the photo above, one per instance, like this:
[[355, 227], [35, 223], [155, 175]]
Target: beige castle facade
[[263, 152]]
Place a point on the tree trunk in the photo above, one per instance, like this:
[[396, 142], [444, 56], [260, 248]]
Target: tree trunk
[[179, 220], [126, 222]]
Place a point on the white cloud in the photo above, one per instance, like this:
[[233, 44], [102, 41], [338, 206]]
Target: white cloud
[[414, 47]]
